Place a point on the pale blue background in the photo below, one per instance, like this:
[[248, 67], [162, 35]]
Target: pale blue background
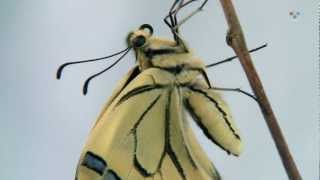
[[45, 122]]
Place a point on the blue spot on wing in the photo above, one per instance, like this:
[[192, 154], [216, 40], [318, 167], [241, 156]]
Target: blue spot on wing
[[94, 162]]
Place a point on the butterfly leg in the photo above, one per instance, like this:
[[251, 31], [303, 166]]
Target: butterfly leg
[[178, 24], [173, 23], [238, 90]]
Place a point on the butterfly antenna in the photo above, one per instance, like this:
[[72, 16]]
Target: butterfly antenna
[[59, 71], [86, 84]]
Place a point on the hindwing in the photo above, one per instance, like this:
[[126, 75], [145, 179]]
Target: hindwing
[[212, 115]]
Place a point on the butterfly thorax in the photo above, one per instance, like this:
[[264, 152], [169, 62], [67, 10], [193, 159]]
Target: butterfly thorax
[[167, 55]]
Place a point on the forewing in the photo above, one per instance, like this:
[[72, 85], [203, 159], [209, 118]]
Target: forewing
[[115, 140], [131, 74], [149, 133]]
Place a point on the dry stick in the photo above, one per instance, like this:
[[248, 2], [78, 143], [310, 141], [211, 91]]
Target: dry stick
[[236, 40]]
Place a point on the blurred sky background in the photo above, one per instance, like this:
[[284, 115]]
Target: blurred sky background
[[45, 122]]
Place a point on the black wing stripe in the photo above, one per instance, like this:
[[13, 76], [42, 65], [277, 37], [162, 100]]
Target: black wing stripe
[[111, 175], [202, 127], [140, 168], [137, 91], [176, 162], [135, 126], [133, 75], [160, 174], [136, 71], [193, 163], [215, 173], [137, 164], [168, 147], [216, 104]]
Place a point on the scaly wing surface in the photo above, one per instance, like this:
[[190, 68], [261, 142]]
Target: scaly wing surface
[[213, 116], [128, 136]]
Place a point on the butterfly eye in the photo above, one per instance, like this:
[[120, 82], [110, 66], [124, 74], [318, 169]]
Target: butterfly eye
[[138, 41], [147, 26]]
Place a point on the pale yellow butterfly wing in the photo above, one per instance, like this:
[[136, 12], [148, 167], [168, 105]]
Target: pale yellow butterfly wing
[[213, 116], [123, 137], [131, 74], [140, 135], [180, 150], [198, 153]]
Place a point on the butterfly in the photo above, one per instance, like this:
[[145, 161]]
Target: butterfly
[[143, 131]]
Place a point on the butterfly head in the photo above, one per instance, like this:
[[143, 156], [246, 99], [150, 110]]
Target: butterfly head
[[139, 39]]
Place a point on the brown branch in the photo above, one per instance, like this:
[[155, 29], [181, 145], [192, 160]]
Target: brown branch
[[236, 40]]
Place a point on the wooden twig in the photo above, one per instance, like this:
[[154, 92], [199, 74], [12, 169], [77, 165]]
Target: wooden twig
[[236, 40]]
